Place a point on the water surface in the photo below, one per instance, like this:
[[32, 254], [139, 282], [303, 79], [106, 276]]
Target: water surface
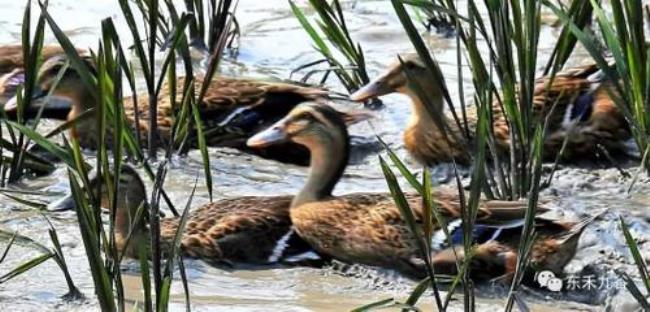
[[272, 44]]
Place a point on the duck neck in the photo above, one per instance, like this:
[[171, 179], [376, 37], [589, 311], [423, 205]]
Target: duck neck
[[124, 220], [129, 202], [421, 116], [329, 157], [83, 130]]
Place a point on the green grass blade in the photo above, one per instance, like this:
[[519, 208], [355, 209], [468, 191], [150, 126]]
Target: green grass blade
[[39, 139], [409, 218], [636, 254], [24, 267], [374, 305]]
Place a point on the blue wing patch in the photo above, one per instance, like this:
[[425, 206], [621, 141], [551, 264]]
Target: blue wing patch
[[481, 234], [582, 107]]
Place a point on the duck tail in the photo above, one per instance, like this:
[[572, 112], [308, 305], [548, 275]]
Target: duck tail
[[577, 228]]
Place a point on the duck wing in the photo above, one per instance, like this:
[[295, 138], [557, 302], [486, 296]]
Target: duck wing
[[250, 229], [577, 107]]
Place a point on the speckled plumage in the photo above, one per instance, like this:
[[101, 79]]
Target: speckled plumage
[[368, 228], [597, 122], [237, 230], [242, 229], [231, 110]]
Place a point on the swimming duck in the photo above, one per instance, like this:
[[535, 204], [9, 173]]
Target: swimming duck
[[241, 230], [584, 112], [232, 109], [368, 228], [12, 73]]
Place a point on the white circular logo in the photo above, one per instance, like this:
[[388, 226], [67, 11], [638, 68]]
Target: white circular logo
[[548, 280]]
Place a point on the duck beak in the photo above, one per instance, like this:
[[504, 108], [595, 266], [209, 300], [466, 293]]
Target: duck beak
[[273, 135], [12, 104], [67, 202], [64, 203], [378, 87], [352, 118], [56, 107], [11, 107]]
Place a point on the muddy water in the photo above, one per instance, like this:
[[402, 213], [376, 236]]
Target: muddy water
[[272, 44]]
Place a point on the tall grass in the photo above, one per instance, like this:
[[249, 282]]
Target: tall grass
[[505, 76], [103, 257], [220, 20], [46, 253], [331, 38], [208, 19], [13, 167], [116, 138], [22, 159], [642, 268]]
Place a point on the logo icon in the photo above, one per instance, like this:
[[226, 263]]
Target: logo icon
[[547, 279]]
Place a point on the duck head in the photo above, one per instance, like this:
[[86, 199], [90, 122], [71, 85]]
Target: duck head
[[310, 124], [395, 78], [65, 94], [323, 131], [410, 76], [130, 206]]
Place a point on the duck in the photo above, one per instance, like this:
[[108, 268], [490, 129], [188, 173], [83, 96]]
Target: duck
[[584, 113], [232, 109], [12, 70], [367, 228], [238, 231]]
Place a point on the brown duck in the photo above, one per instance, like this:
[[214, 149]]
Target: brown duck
[[368, 228], [583, 112], [241, 230], [12, 71], [232, 109]]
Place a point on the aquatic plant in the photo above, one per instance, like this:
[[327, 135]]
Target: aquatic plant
[[220, 21], [208, 20], [509, 177], [105, 79], [641, 265], [46, 253], [343, 55], [511, 64], [21, 156]]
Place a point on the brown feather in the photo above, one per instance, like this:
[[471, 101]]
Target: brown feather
[[11, 56], [600, 125], [368, 228], [605, 126], [244, 229], [224, 99]]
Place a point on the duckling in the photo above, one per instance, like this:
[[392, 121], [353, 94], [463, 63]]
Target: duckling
[[584, 112], [232, 109], [12, 73], [241, 230], [368, 228]]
